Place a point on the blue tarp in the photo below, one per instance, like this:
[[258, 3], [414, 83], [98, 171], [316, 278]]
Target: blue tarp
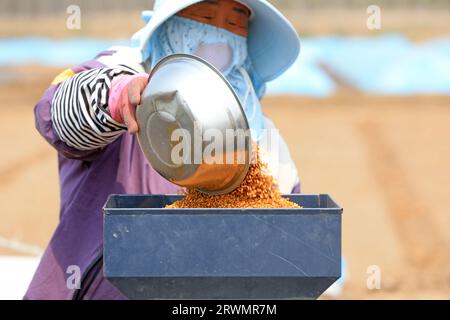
[[305, 77], [44, 51], [388, 64], [382, 65]]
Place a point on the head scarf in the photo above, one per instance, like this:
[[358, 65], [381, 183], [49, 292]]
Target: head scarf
[[182, 35]]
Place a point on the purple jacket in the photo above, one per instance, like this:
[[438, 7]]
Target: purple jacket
[[87, 178]]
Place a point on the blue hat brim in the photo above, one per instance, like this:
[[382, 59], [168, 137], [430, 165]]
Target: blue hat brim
[[273, 43]]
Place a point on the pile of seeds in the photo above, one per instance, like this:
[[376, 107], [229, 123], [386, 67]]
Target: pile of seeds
[[258, 190]]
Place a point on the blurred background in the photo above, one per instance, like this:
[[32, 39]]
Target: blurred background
[[365, 111]]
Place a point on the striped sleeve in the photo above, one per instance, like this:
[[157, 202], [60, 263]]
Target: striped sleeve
[[79, 109]]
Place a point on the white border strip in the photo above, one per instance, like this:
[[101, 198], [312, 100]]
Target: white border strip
[[21, 247]]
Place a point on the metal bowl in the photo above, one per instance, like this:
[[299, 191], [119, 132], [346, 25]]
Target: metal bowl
[[187, 95]]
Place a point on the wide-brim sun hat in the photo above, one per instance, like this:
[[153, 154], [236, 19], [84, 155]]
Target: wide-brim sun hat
[[273, 43]]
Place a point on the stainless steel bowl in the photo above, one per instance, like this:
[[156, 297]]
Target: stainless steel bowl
[[186, 92]]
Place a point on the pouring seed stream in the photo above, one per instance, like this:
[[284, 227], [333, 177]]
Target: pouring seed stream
[[258, 190]]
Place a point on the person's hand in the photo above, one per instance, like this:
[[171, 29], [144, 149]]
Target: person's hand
[[125, 95]]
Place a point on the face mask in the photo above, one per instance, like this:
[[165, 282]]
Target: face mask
[[223, 49], [220, 55]]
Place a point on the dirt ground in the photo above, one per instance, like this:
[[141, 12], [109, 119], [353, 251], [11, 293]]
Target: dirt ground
[[383, 159]]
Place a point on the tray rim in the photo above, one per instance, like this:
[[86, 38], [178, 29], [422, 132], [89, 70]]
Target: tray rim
[[107, 210]]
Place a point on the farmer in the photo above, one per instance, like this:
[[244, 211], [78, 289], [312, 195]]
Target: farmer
[[88, 116]]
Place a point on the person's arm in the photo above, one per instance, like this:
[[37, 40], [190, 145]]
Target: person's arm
[[73, 114], [297, 188], [79, 109], [275, 152]]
